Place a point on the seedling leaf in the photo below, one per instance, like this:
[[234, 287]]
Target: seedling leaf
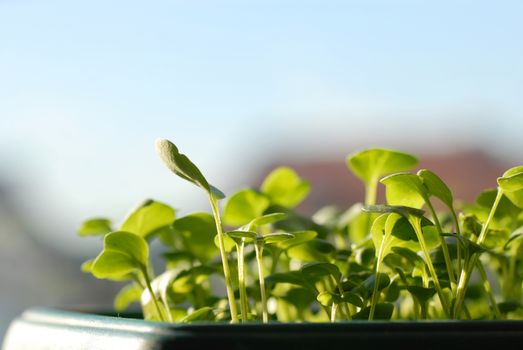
[[284, 187], [398, 209], [148, 217], [436, 187], [182, 166], [129, 294], [369, 165], [124, 253], [95, 227], [300, 237], [512, 185], [198, 231], [405, 189], [244, 206]]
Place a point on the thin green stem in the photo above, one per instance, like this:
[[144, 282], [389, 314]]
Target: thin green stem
[[345, 307], [334, 308], [371, 191], [375, 292], [225, 263], [488, 289], [458, 233], [444, 247], [244, 306], [151, 293], [416, 224], [261, 277], [415, 308], [469, 266], [424, 309]]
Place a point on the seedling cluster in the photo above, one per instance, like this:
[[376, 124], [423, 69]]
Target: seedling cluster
[[421, 255]]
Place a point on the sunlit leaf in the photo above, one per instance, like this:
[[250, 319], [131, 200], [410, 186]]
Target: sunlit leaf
[[124, 253], [512, 185], [198, 231], [129, 294], [95, 227], [300, 237], [244, 206], [179, 164], [436, 187], [264, 220], [405, 189], [87, 266], [284, 187], [370, 165], [148, 217]]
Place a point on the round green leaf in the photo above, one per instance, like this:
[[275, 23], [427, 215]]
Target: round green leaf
[[369, 165], [124, 253], [244, 206], [284, 187], [436, 187], [198, 231], [300, 237], [405, 189], [95, 227], [512, 185], [148, 217], [129, 294]]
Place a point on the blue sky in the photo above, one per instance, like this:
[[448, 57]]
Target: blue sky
[[86, 87]]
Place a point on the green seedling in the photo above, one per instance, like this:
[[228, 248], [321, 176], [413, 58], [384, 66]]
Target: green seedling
[[180, 165], [412, 257]]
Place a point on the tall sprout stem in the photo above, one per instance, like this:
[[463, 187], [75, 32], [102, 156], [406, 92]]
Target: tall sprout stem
[[259, 261], [416, 224], [244, 306], [444, 247], [488, 289], [375, 292], [458, 233], [153, 297], [225, 262], [468, 267]]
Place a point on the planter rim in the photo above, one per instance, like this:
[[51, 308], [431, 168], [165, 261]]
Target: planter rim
[[46, 328], [83, 317]]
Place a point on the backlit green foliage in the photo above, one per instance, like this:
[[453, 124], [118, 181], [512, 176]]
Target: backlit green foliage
[[265, 261]]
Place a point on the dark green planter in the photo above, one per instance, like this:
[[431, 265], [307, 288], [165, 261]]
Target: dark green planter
[[58, 329]]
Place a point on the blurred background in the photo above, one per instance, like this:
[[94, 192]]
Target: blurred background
[[86, 88]]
